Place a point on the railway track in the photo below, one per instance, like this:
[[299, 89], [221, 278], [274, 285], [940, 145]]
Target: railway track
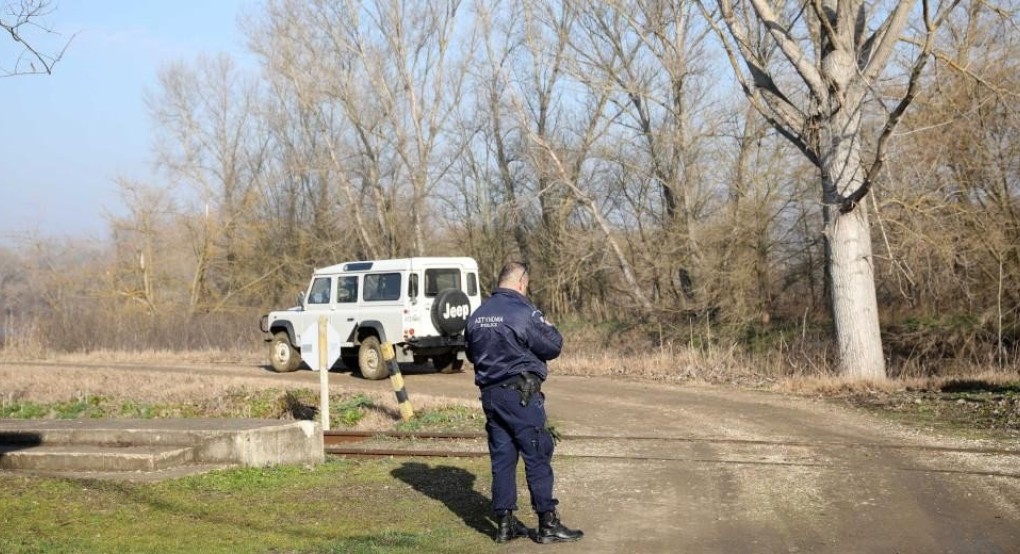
[[379, 444], [347, 443]]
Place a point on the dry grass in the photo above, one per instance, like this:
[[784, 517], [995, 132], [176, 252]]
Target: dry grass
[[206, 356], [835, 386], [698, 359], [802, 363], [212, 394], [52, 384], [674, 365]]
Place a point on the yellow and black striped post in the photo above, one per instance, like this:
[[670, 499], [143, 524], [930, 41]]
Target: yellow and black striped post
[[397, 380]]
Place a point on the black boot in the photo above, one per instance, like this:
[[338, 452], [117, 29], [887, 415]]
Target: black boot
[[508, 527], [550, 529]]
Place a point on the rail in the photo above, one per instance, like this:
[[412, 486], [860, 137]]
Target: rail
[[473, 445], [339, 443]]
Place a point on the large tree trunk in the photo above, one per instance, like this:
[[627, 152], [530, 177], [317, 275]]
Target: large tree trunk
[[854, 303], [850, 263]]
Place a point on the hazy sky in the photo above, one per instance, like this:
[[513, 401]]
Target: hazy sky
[[65, 137]]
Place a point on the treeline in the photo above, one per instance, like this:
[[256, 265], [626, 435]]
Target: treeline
[[606, 143]]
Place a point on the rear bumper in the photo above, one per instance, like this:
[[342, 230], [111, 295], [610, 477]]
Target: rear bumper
[[435, 345]]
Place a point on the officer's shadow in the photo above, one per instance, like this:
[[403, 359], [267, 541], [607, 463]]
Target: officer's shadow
[[454, 487]]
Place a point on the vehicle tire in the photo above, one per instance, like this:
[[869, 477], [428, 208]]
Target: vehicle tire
[[370, 360], [448, 363], [450, 311], [282, 355]]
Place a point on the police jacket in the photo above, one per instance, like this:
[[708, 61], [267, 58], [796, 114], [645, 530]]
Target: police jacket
[[507, 336]]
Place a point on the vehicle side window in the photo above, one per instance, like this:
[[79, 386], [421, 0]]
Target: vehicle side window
[[382, 286], [347, 289], [472, 283], [319, 293], [412, 286], [439, 279]]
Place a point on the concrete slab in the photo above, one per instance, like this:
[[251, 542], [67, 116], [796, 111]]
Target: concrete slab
[[83, 457], [242, 442]]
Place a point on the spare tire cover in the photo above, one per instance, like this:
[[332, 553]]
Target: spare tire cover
[[450, 311]]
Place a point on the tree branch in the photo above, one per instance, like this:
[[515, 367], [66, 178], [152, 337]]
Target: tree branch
[[879, 46], [931, 26], [29, 14], [777, 110], [819, 10], [793, 53]]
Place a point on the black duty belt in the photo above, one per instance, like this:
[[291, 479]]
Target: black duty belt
[[517, 382], [527, 384]]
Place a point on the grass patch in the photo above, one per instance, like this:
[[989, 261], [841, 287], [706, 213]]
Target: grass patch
[[346, 411], [975, 407], [351, 410], [447, 418], [395, 505], [24, 410]]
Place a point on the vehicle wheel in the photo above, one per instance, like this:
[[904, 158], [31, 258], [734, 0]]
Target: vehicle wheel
[[370, 360], [448, 363], [282, 355]]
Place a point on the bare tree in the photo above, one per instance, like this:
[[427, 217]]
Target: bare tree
[[15, 299], [209, 145], [646, 53], [949, 220], [25, 22], [430, 63], [561, 135], [487, 180], [829, 58], [138, 275], [384, 82], [522, 78]]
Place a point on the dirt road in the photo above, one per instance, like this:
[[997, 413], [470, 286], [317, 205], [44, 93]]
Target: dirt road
[[699, 469], [715, 470]]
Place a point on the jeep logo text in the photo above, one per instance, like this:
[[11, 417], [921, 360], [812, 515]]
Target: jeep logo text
[[461, 311]]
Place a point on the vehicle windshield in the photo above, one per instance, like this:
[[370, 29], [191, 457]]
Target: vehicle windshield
[[319, 292]]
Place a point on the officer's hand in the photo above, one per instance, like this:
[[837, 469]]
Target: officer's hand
[[541, 317]]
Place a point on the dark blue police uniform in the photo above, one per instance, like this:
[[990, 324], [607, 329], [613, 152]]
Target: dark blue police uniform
[[507, 338]]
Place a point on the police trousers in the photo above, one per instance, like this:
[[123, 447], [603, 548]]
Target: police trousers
[[518, 431]]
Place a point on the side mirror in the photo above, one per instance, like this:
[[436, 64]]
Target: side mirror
[[301, 298]]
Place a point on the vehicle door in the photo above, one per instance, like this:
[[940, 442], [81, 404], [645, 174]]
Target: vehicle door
[[382, 300], [437, 279], [344, 315], [317, 303]]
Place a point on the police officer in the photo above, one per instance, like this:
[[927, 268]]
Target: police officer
[[509, 342]]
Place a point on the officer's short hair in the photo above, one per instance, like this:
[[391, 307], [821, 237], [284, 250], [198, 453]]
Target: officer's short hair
[[512, 272]]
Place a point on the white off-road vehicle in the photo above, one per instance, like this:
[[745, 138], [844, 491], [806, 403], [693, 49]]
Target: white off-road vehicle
[[420, 305]]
